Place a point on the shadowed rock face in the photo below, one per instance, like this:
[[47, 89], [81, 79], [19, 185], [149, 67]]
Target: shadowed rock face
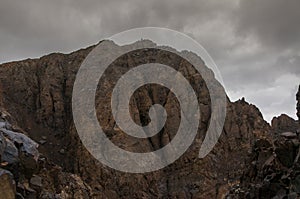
[[274, 164], [26, 173], [283, 123], [38, 93], [298, 103]]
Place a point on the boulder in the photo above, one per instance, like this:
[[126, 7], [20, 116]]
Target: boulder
[[10, 154], [289, 135], [2, 145], [285, 151], [36, 182], [7, 185], [25, 144]]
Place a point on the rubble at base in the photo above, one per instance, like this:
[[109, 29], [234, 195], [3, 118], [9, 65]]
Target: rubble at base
[[25, 173]]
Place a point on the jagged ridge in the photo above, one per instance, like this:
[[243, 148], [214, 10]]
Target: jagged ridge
[[38, 92]]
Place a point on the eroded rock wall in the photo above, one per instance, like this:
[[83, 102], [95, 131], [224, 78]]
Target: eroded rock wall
[[39, 93]]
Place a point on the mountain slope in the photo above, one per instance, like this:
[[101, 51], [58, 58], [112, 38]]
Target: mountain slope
[[38, 93]]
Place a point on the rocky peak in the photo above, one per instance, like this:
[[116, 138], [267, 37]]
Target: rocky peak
[[274, 163], [38, 93], [283, 123]]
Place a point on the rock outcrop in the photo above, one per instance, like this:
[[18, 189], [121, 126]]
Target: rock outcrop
[[273, 170], [26, 173], [7, 185], [38, 93], [18, 153], [283, 123], [274, 164], [298, 104]]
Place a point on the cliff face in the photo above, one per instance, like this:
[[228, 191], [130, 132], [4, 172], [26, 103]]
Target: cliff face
[[298, 103], [283, 123], [38, 93], [274, 164]]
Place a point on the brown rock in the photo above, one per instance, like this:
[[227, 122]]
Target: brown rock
[[298, 103], [36, 182], [285, 151], [278, 175], [289, 135], [59, 184], [43, 103], [283, 123], [7, 185]]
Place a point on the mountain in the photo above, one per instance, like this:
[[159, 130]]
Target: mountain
[[274, 164], [37, 95]]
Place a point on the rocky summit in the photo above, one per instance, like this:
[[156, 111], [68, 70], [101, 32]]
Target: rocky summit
[[274, 164], [43, 157]]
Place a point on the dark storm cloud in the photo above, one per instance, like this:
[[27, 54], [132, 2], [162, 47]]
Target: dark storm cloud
[[275, 22], [255, 43], [31, 28], [274, 26]]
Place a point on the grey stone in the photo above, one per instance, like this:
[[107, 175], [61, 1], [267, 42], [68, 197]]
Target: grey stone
[[36, 181], [2, 144], [62, 151], [289, 135], [42, 142], [10, 154], [27, 145]]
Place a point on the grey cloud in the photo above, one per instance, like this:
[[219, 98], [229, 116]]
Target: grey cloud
[[275, 22], [255, 43]]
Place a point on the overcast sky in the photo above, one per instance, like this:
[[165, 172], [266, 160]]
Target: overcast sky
[[255, 43]]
